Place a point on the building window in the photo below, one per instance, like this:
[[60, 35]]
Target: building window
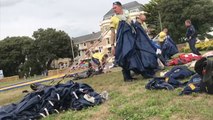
[[109, 50], [105, 28], [134, 10], [100, 49], [108, 17], [108, 41], [85, 44], [83, 53]]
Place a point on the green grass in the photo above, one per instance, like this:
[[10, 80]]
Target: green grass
[[131, 101]]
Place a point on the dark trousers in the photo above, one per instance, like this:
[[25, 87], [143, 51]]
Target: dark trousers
[[192, 43], [96, 61], [126, 74]]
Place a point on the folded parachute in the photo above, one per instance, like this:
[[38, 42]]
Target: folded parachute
[[169, 48], [134, 50], [52, 99]]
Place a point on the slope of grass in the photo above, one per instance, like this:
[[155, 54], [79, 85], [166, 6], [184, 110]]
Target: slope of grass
[[131, 101]]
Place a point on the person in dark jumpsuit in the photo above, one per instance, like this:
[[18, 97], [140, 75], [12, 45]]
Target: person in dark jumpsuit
[[191, 36]]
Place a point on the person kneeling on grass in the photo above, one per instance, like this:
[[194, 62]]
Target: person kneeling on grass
[[168, 46], [99, 59], [204, 67]]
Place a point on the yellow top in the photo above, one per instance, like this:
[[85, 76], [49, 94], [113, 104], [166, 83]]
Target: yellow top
[[98, 56], [114, 21]]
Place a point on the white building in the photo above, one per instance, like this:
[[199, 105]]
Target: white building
[[88, 42]]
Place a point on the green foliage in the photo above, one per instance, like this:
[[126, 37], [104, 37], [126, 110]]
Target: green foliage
[[202, 46], [13, 51], [175, 12], [153, 16], [51, 44], [26, 57]]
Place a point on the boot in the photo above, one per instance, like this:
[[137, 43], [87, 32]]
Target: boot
[[126, 75]]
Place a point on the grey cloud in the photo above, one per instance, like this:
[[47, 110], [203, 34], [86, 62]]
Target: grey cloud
[[75, 17], [6, 3]]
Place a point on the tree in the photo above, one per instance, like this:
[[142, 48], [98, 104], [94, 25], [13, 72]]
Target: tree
[[12, 55], [26, 57], [50, 45], [175, 12], [153, 16]]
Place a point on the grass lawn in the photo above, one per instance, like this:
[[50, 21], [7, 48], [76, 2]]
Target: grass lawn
[[131, 101]]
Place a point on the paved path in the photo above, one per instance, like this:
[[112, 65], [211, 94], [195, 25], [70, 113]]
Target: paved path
[[22, 84]]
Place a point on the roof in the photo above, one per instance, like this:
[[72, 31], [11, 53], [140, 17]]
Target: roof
[[128, 6], [88, 37]]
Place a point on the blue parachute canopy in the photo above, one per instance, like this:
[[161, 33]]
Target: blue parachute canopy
[[169, 48], [134, 50]]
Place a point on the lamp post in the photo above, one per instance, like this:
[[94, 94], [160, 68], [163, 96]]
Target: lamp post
[[73, 56], [159, 17], [160, 21]]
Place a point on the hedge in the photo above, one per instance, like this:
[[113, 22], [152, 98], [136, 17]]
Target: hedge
[[201, 46]]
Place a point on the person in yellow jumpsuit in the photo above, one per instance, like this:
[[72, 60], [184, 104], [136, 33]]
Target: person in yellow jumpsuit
[[100, 60]]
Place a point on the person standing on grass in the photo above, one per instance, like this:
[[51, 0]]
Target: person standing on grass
[[134, 50], [191, 36], [121, 16]]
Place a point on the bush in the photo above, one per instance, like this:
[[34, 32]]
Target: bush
[[201, 46]]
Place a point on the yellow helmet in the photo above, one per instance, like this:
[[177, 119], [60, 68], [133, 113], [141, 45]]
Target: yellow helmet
[[162, 36]]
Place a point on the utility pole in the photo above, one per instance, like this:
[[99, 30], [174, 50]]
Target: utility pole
[[159, 17], [160, 21], [73, 56]]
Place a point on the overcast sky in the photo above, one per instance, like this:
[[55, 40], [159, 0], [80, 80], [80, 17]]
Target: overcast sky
[[75, 17]]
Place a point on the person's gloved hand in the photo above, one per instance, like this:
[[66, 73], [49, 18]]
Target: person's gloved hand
[[158, 51]]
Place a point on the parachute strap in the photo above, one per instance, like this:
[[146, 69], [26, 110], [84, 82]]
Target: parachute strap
[[192, 86], [42, 115]]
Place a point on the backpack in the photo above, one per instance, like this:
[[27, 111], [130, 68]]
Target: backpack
[[194, 85], [179, 72]]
